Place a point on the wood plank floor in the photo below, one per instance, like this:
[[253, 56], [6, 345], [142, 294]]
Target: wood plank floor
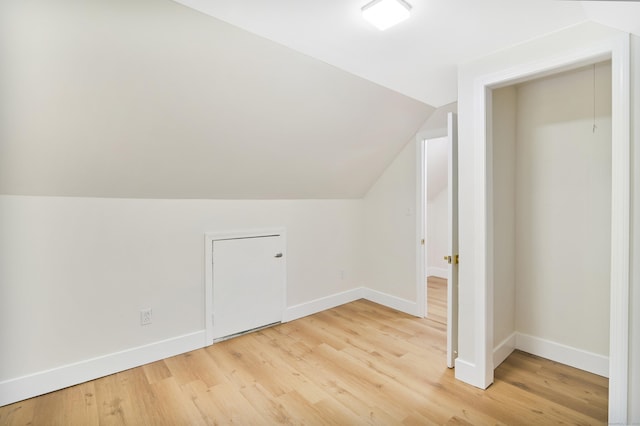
[[437, 299], [356, 364]]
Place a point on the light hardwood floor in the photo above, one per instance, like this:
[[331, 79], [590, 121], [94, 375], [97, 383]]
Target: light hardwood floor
[[356, 364], [437, 299]]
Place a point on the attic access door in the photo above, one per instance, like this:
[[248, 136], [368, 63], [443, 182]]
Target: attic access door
[[248, 284]]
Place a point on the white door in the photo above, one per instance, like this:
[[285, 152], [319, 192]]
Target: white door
[[452, 279], [248, 284]]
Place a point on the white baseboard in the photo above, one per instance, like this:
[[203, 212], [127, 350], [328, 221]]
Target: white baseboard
[[324, 303], [328, 302], [35, 384], [42, 382], [578, 358], [467, 372], [503, 350], [433, 271], [390, 301]]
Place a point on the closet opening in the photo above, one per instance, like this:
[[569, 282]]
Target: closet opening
[[551, 165], [480, 372]]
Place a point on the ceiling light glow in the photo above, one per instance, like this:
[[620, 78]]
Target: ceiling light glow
[[386, 13]]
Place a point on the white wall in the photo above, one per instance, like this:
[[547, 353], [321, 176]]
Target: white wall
[[470, 243], [436, 125], [75, 272], [437, 225], [504, 218], [390, 234], [556, 45], [563, 208], [552, 209], [103, 130], [634, 302], [391, 227], [437, 199]]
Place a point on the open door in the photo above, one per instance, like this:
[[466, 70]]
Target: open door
[[452, 258]]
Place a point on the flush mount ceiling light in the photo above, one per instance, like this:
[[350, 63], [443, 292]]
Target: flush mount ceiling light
[[386, 13]]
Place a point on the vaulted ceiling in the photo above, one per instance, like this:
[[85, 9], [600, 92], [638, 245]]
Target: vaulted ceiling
[[419, 57], [152, 99], [149, 99]]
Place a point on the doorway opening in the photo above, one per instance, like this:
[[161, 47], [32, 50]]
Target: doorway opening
[[438, 222], [551, 239], [437, 216], [480, 372]]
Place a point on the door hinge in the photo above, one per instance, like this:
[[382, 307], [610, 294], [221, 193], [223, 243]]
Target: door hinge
[[422, 241]]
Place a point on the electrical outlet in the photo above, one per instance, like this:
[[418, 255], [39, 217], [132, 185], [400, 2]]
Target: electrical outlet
[[145, 316]]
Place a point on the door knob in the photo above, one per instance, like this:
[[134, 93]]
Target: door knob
[[278, 255]]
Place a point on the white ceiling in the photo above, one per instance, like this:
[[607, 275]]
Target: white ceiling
[[148, 98], [419, 57]]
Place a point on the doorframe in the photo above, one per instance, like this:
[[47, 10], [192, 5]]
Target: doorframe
[[421, 221], [617, 50], [421, 214], [209, 238]]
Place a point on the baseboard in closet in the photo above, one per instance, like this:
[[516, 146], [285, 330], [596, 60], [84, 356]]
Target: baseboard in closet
[[558, 352]]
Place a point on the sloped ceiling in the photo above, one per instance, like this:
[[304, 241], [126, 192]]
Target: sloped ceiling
[[261, 99], [419, 57], [623, 15], [150, 99]]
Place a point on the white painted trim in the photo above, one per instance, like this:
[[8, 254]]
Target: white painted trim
[[324, 303], [421, 221], [466, 371], [209, 238], [393, 302], [578, 358], [421, 215], [574, 357], [616, 48], [437, 272], [42, 382], [620, 229], [329, 302], [483, 294], [504, 349], [244, 233]]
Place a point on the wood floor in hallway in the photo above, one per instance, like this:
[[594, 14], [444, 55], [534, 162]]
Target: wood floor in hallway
[[357, 364], [437, 299]]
